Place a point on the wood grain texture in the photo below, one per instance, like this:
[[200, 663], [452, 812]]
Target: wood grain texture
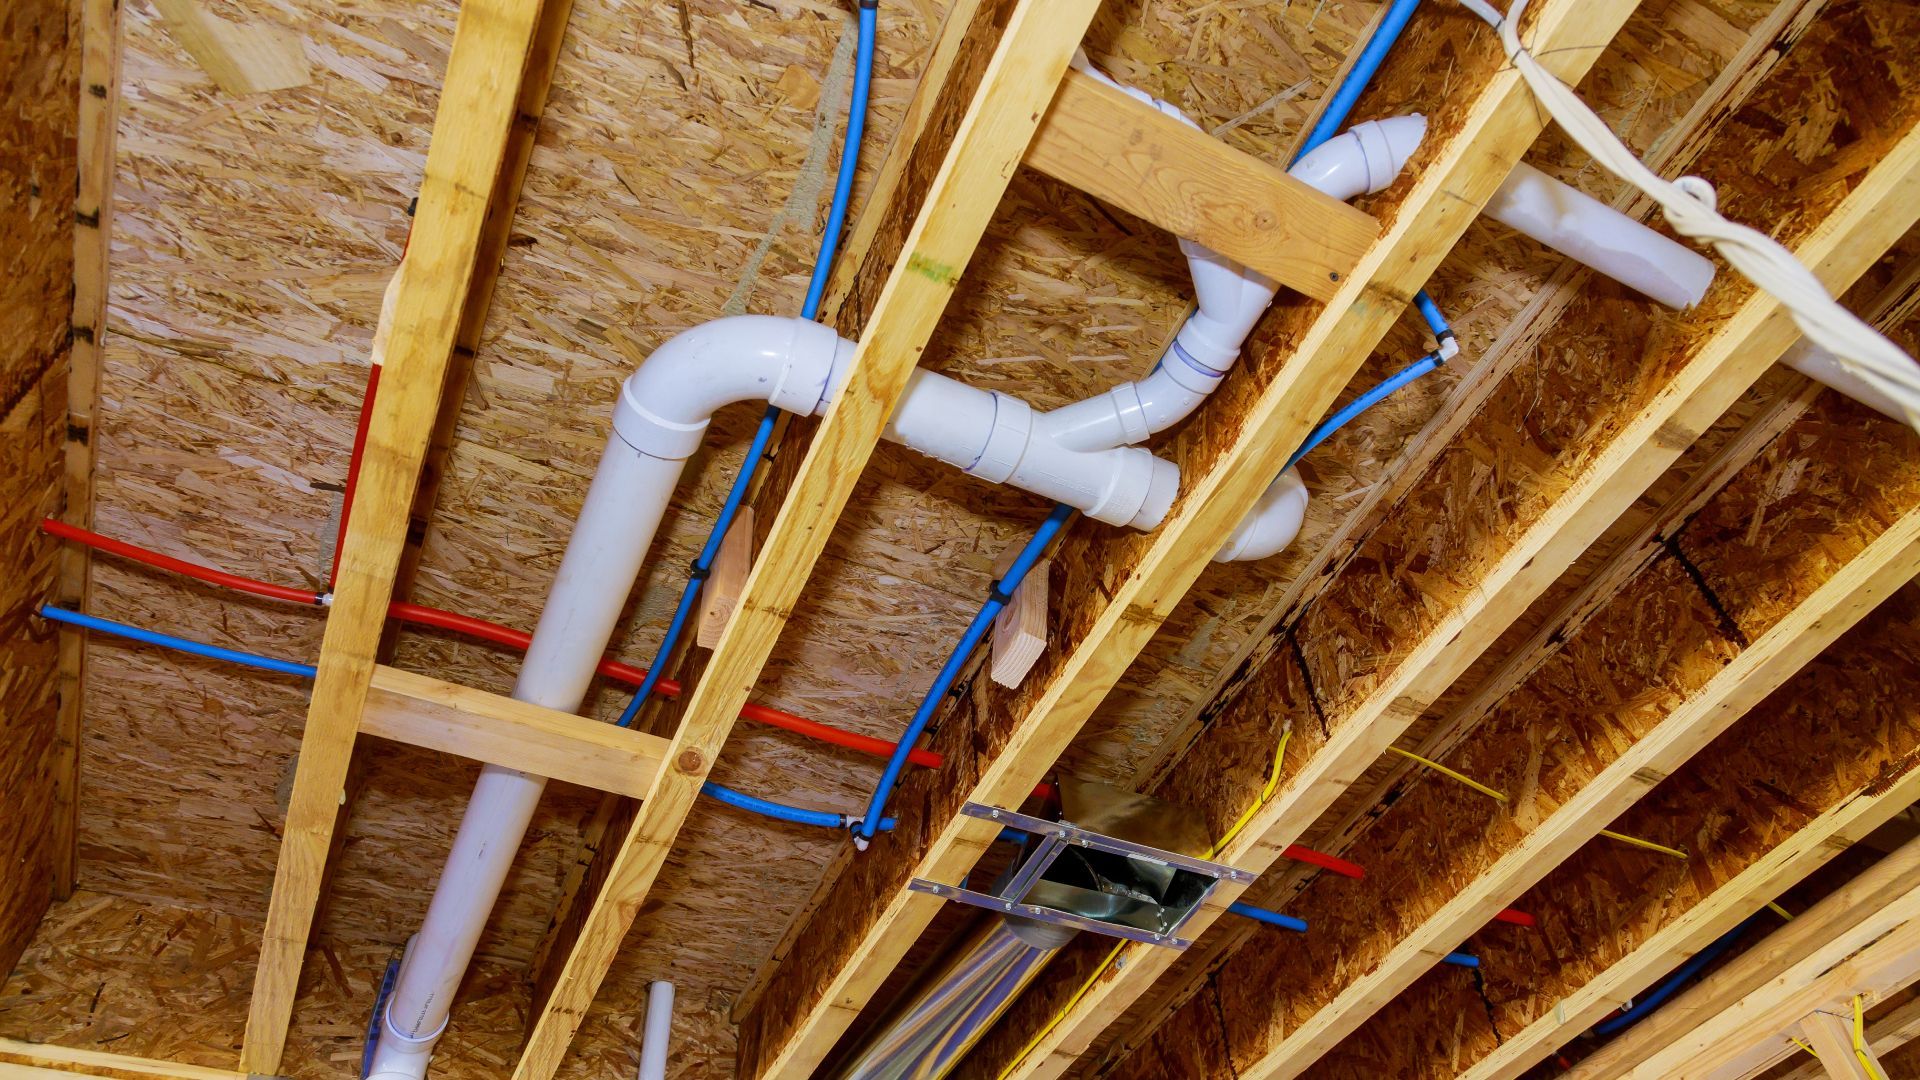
[[1769, 802], [1123, 151], [424, 711], [98, 97], [476, 112], [1388, 639], [40, 51], [1885, 1035], [987, 146], [1120, 588], [65, 1061], [721, 592], [1864, 939]]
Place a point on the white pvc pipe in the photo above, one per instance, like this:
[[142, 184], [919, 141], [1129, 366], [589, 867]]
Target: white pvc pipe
[[1589, 231], [653, 1045], [1822, 366], [1081, 456], [623, 508]]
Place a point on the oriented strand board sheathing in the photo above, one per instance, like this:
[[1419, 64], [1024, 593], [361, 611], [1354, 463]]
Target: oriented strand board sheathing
[[39, 92], [157, 981], [1826, 734]]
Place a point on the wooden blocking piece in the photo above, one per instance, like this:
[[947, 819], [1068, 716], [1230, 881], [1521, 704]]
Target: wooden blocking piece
[[1831, 1036], [243, 58], [1128, 153], [1020, 630], [729, 577]]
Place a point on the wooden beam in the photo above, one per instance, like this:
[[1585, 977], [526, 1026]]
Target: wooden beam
[[1831, 1036], [1387, 644], [460, 720], [1884, 1036], [1812, 771], [987, 146], [1863, 939], [1118, 588], [1123, 151], [476, 113], [1845, 815], [502, 205], [46, 1059], [92, 243], [1672, 153], [953, 70]]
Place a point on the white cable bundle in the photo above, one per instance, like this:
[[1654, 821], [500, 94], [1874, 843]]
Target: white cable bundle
[[1689, 206]]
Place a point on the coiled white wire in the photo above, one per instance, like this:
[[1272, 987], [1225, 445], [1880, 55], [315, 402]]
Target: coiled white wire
[[1688, 204]]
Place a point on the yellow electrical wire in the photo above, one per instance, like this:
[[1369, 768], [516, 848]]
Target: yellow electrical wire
[[1860, 1041], [1774, 905], [1648, 844], [1444, 771], [1501, 796], [1803, 1046], [1266, 793]]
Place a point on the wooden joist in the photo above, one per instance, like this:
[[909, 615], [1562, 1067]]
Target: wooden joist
[[986, 148], [1816, 767], [1844, 814], [471, 130], [1119, 587], [39, 1061], [1674, 151], [1884, 1035], [1128, 153], [1383, 644], [92, 217], [1864, 940], [1490, 855]]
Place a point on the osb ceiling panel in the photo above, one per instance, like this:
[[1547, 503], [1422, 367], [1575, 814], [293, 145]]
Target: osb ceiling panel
[[680, 174]]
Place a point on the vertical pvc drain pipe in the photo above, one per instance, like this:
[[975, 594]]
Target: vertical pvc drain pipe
[[653, 1046]]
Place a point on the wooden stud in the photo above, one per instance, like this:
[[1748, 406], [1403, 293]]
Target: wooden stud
[[1641, 446], [1033, 52], [425, 711], [721, 593], [93, 216], [828, 968], [490, 48], [1123, 151], [1020, 630], [1862, 939]]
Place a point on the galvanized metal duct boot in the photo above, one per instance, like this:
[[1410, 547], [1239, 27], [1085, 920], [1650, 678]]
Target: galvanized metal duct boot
[[1114, 863], [957, 1006]]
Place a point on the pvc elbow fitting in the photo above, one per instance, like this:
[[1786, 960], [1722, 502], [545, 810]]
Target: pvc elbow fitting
[[1364, 159], [1272, 525], [665, 405]]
